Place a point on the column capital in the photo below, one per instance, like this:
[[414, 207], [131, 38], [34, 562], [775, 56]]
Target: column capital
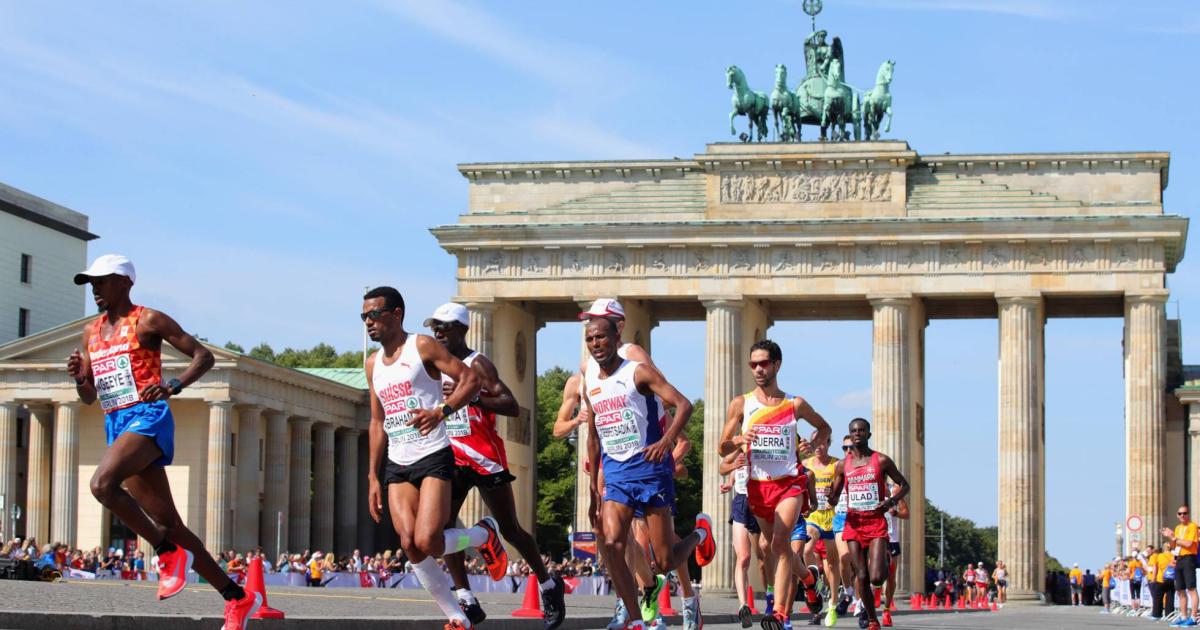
[[10, 405], [477, 304], [890, 299], [250, 408], [227, 405], [1147, 296], [1024, 299], [712, 302], [73, 405], [275, 413], [324, 425], [349, 432]]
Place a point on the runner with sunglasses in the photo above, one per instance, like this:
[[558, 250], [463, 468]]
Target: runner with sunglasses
[[122, 368], [408, 424], [481, 463], [863, 475], [765, 424]]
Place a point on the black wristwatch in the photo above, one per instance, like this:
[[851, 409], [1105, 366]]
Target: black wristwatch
[[174, 386], [447, 411]]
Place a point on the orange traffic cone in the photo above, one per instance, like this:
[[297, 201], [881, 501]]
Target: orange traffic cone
[[948, 605], [914, 602], [664, 601], [993, 608], [750, 599], [962, 603], [254, 584], [531, 606]]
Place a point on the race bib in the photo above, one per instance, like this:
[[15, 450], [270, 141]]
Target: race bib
[[458, 425], [864, 497], [773, 443], [618, 432], [823, 497], [395, 421], [115, 386]]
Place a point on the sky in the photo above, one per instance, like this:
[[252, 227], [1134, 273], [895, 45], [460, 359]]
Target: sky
[[262, 163]]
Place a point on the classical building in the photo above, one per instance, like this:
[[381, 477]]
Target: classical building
[[42, 246], [743, 235]]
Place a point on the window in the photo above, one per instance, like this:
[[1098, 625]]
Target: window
[[26, 262], [23, 322]]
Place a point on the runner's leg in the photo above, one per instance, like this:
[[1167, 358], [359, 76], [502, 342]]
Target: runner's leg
[[423, 546], [456, 563], [741, 551], [786, 512], [617, 517], [638, 554], [503, 506], [662, 536], [858, 560], [129, 455]]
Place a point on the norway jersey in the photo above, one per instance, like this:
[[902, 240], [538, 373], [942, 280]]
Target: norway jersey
[[864, 484], [473, 436], [664, 418], [402, 388], [627, 421], [121, 367], [772, 454]]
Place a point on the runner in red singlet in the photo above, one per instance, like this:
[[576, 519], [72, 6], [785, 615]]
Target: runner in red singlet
[[482, 463], [863, 474], [123, 370]]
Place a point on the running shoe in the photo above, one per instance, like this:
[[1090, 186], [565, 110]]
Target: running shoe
[[1190, 622], [814, 620], [620, 615], [554, 605], [492, 550], [707, 550], [650, 599], [238, 611], [862, 619], [843, 604], [744, 616], [692, 619], [173, 567], [472, 610], [454, 624], [874, 625], [773, 621], [886, 618], [787, 624], [813, 595], [831, 617]]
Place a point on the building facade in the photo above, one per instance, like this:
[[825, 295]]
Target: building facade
[[42, 246]]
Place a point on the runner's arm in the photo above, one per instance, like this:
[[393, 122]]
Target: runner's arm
[[647, 377], [79, 367], [593, 454], [494, 395], [902, 488], [731, 439], [466, 381], [162, 326], [730, 463], [376, 446], [683, 446], [810, 415], [839, 479], [564, 423]]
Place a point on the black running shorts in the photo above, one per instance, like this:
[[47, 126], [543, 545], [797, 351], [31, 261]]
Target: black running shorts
[[439, 465]]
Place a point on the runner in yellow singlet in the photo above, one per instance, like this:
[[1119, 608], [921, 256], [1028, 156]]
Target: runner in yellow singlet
[[820, 521]]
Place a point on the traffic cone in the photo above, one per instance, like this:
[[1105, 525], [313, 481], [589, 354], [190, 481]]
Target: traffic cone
[[664, 601], [254, 584], [993, 608], [948, 606], [962, 603], [750, 599], [531, 606]]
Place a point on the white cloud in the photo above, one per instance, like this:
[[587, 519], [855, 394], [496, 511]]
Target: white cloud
[[859, 399]]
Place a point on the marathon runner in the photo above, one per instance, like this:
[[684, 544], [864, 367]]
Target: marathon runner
[[622, 397], [846, 588], [481, 462], [862, 475], [969, 581], [893, 516], [746, 533], [408, 414], [981, 581], [122, 368], [819, 523], [765, 424]]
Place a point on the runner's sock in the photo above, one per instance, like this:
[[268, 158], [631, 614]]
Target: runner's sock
[[547, 585], [165, 546], [438, 586], [466, 595], [459, 539]]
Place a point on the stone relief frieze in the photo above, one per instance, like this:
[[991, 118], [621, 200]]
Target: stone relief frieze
[[701, 262], [815, 187], [996, 256], [533, 263], [1037, 256], [616, 262], [658, 261], [784, 261], [573, 262], [741, 260], [493, 264]]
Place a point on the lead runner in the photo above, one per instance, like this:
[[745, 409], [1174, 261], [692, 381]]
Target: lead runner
[[123, 370]]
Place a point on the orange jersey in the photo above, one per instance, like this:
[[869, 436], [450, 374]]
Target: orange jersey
[[121, 367], [1186, 536]]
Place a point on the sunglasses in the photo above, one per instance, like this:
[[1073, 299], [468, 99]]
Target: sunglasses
[[1183, 513], [441, 327], [845, 447], [374, 314], [764, 363]]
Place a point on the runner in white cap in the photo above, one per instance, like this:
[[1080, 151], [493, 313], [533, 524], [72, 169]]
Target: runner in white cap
[[408, 414], [122, 368], [482, 463]]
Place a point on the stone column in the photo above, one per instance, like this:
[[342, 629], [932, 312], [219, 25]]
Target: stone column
[[1145, 409], [275, 484], [300, 486], [639, 322], [65, 493], [1021, 428], [891, 410], [347, 491], [479, 338], [755, 321], [1193, 455], [322, 507], [37, 508], [245, 531], [915, 467], [582, 475], [723, 360], [8, 464], [220, 426]]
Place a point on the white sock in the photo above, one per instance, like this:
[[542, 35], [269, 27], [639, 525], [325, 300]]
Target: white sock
[[688, 601], [466, 595], [547, 585], [436, 584], [458, 539]]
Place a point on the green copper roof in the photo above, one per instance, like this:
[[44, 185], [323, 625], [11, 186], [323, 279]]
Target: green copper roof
[[354, 377]]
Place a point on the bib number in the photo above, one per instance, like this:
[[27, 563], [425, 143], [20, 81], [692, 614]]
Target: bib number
[[115, 386], [618, 432], [395, 422], [864, 497], [773, 443], [458, 425]]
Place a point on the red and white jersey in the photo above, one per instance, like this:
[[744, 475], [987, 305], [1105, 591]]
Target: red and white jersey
[[969, 576], [864, 484], [473, 436], [981, 575]]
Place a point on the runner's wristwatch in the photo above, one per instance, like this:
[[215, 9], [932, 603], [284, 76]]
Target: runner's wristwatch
[[174, 386], [447, 411]]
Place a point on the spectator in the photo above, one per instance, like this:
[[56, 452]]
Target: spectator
[[315, 567]]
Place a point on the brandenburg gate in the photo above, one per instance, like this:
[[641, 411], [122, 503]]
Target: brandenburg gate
[[743, 235]]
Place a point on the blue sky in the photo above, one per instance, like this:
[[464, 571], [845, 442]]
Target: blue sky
[[263, 162]]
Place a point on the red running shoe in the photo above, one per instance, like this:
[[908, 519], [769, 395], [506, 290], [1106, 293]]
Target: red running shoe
[[887, 618], [238, 611], [492, 550], [173, 567], [454, 624], [872, 625], [707, 550]]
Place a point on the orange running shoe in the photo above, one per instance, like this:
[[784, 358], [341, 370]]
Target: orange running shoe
[[886, 618], [238, 611], [173, 567], [707, 550], [872, 625], [455, 624], [492, 550]]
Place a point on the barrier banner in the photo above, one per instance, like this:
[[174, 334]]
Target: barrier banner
[[1124, 595], [583, 545]]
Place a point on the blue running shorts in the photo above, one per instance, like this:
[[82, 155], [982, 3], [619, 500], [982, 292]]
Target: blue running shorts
[[153, 420]]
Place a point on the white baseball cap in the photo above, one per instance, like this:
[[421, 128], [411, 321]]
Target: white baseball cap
[[450, 312], [604, 307], [107, 265]]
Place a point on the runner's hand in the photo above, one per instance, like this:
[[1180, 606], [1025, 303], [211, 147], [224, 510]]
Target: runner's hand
[[374, 500], [744, 439], [681, 471], [726, 487], [155, 392], [75, 366], [657, 451], [425, 420]]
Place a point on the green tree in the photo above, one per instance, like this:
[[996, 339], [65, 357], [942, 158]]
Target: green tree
[[263, 352], [229, 345], [555, 467], [321, 355]]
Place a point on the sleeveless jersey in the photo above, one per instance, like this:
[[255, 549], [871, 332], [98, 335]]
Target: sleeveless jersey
[[627, 421], [981, 576], [864, 484], [969, 576], [664, 418], [121, 367], [893, 531], [472, 432], [772, 454], [402, 388], [823, 478], [740, 477]]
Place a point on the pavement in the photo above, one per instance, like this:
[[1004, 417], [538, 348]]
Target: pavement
[[112, 605]]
